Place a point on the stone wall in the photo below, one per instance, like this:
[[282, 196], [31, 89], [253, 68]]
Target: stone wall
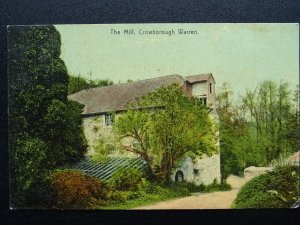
[[187, 168], [208, 170], [203, 171], [202, 89], [96, 132], [253, 171], [211, 96], [93, 128]]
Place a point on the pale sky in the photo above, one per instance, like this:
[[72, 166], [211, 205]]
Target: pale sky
[[241, 54]]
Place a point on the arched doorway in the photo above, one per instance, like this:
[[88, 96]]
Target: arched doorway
[[179, 176]]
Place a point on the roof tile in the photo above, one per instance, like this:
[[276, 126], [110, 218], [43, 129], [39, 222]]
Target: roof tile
[[116, 97]]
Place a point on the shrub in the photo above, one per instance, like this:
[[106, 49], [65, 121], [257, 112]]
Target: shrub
[[274, 189], [73, 190], [225, 186], [123, 196], [215, 186], [163, 191], [181, 189], [27, 170], [126, 179], [146, 187]]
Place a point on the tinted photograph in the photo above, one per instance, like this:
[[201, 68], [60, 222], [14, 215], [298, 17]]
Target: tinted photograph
[[153, 116]]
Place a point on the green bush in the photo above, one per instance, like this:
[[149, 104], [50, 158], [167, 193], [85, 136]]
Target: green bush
[[126, 179], [73, 190], [163, 191], [215, 186], [123, 196], [27, 170], [275, 189], [191, 187], [179, 189], [225, 187], [148, 187]]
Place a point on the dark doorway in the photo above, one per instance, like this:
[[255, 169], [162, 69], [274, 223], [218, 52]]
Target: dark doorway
[[179, 176]]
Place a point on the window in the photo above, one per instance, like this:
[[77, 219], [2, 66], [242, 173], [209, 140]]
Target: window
[[196, 172], [210, 88], [203, 100], [109, 121]]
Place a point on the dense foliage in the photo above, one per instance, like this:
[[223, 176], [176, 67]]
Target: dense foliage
[[44, 127], [275, 189], [78, 83], [164, 126], [261, 127], [29, 167], [128, 188], [126, 179], [148, 192], [73, 190]]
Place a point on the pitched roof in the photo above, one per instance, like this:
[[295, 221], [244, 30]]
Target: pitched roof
[[116, 97], [199, 77]]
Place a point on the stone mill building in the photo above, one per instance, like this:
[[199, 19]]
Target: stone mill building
[[101, 103]]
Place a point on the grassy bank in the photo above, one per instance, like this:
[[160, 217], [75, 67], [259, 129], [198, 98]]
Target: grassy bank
[[151, 193]]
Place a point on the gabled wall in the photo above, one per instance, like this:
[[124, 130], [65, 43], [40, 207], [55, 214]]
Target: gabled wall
[[201, 89]]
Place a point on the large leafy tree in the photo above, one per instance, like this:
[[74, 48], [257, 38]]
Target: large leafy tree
[[293, 123], [262, 127], [233, 129], [45, 128], [269, 107], [164, 126]]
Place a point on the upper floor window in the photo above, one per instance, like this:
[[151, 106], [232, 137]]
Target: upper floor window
[[210, 88], [203, 100], [109, 120]]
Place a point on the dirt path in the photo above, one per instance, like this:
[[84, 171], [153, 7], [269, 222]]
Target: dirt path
[[215, 200]]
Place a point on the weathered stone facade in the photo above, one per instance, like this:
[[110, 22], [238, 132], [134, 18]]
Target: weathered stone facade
[[202, 171], [94, 128], [209, 169], [97, 133]]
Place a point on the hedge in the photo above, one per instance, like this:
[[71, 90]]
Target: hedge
[[278, 188]]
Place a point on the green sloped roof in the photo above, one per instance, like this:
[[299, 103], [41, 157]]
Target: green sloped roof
[[105, 168]]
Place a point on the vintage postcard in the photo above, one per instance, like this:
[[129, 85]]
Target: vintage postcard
[[154, 116]]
